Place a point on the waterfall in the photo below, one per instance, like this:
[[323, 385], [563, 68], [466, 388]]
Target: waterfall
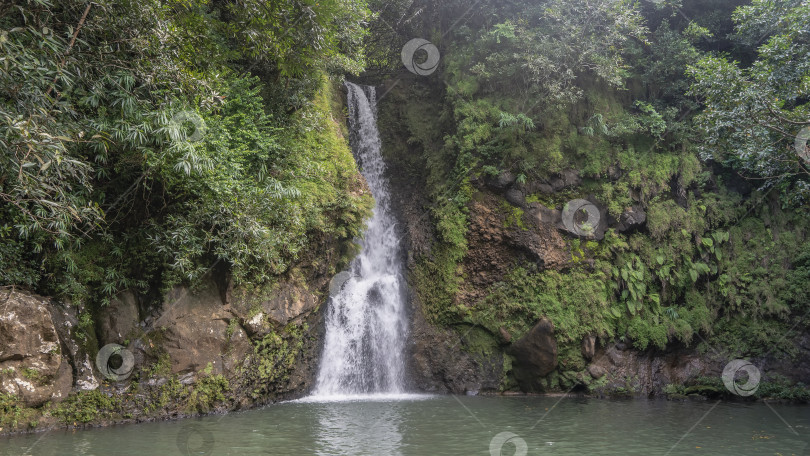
[[365, 321]]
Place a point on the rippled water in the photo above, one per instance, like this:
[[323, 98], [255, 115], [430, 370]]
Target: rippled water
[[447, 425]]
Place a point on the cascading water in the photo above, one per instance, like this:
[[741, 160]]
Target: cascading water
[[366, 322]]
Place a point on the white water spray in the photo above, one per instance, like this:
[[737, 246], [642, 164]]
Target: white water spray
[[366, 322]]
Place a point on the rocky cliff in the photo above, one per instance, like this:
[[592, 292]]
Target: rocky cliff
[[460, 343]]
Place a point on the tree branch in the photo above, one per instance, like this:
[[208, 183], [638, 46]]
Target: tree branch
[[70, 45]]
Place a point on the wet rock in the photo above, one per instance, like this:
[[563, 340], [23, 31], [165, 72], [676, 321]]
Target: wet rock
[[614, 172], [495, 244], [256, 325], [118, 321], [679, 192], [540, 215], [796, 368], [31, 363], [535, 355], [337, 282]]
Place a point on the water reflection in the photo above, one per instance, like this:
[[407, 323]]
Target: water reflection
[[359, 428], [428, 426]]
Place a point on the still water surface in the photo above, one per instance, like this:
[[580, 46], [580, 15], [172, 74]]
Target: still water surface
[[447, 425]]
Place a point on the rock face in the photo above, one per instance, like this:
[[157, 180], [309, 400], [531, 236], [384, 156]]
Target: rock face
[[535, 355], [648, 372], [289, 302], [118, 321], [438, 363], [588, 346], [497, 237], [31, 363], [75, 343], [195, 329]]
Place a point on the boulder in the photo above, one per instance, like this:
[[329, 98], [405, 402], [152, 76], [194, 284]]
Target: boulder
[[566, 179], [596, 372], [502, 181], [515, 197], [535, 355], [118, 321], [195, 329], [631, 218], [535, 186], [76, 343], [32, 366]]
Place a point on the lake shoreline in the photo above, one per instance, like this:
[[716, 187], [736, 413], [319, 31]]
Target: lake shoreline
[[176, 415]]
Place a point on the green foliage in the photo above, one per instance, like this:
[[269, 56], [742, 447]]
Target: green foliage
[[438, 279], [514, 217], [208, 390], [160, 368], [86, 406], [273, 359], [33, 375], [754, 112], [575, 302], [142, 164], [779, 387], [14, 414]]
